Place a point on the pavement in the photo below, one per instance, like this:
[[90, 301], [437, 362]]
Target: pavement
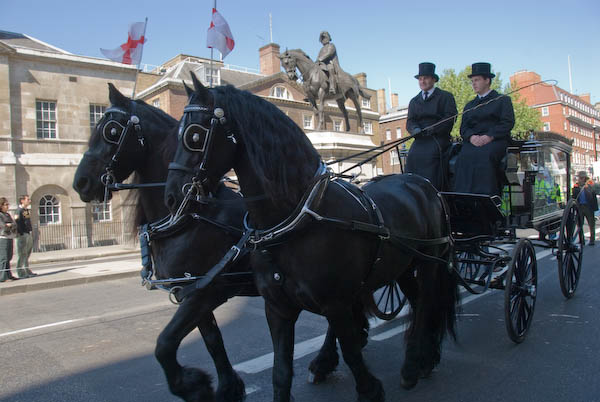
[[73, 267]]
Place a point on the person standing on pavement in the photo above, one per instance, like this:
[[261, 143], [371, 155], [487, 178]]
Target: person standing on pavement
[[24, 237], [584, 193], [429, 107], [8, 231]]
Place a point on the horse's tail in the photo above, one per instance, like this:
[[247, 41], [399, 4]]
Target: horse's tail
[[363, 93], [448, 297]]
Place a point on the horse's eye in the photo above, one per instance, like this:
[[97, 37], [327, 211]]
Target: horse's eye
[[195, 137]]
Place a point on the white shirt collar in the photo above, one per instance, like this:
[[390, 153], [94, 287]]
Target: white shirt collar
[[485, 94], [428, 92]]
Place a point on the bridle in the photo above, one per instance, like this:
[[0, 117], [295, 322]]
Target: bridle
[[115, 133], [196, 138]]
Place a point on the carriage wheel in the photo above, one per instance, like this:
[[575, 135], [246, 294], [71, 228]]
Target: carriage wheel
[[388, 300], [520, 291], [471, 270], [570, 249]]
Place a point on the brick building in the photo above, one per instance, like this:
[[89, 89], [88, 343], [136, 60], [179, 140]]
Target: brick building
[[572, 116]]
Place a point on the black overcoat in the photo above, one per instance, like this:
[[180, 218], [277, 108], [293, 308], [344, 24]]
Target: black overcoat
[[425, 156], [477, 168]]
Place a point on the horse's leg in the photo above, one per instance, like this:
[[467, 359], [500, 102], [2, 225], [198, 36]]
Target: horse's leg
[[342, 107], [354, 98], [326, 361], [188, 383], [231, 387], [282, 335], [342, 320], [321, 108]]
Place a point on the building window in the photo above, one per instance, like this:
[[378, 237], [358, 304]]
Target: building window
[[545, 111], [307, 121], [49, 210], [394, 158], [101, 212], [281, 92], [215, 75], [546, 126], [388, 135], [398, 133], [366, 103], [156, 102], [565, 126], [337, 125], [368, 126], [46, 119], [96, 113]]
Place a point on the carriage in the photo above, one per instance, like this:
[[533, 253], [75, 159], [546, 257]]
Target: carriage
[[488, 251]]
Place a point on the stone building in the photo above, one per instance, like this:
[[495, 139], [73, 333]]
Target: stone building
[[49, 101], [392, 126]]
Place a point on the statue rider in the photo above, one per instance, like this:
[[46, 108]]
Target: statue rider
[[328, 60]]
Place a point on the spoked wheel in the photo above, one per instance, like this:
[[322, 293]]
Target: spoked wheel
[[570, 249], [520, 291], [388, 301], [476, 274]]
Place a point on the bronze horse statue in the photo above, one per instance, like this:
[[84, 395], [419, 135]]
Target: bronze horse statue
[[316, 86]]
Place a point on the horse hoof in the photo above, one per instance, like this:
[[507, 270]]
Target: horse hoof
[[408, 383], [376, 395], [316, 378], [233, 390]]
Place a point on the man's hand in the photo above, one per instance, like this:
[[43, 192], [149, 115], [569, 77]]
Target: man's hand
[[480, 140], [416, 131]]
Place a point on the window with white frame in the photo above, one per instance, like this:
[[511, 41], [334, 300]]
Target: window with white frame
[[46, 119], [368, 126], [101, 212], [546, 126], [215, 75], [565, 125], [96, 113], [398, 132], [366, 103], [49, 210], [394, 158], [307, 121], [337, 125], [388, 135], [545, 111], [156, 102], [281, 92]]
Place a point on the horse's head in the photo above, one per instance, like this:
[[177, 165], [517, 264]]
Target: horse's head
[[118, 144], [205, 150], [288, 62]]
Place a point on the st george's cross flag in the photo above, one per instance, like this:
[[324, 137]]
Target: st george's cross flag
[[129, 52], [219, 35]]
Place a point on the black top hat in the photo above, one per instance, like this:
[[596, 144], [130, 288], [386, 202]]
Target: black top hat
[[427, 69], [483, 69]]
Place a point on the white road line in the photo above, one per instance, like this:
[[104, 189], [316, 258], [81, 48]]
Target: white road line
[[54, 324]]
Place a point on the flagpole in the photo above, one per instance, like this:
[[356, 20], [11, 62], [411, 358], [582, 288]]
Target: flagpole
[[210, 82], [137, 70]]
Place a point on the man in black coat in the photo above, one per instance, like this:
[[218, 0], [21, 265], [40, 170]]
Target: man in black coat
[[485, 130], [584, 193], [429, 107]]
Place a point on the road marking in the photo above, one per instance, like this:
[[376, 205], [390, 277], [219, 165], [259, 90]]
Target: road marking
[[564, 315], [54, 324]]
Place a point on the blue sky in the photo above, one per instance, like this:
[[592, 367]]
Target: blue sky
[[385, 39]]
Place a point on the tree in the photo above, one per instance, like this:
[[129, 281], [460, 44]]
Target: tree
[[459, 85]]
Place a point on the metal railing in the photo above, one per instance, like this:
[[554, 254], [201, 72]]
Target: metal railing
[[78, 235]]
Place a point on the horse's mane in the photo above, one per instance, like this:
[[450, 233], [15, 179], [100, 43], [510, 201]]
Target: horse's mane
[[301, 53], [279, 151]]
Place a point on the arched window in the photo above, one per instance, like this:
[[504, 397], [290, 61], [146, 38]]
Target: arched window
[[281, 92], [49, 211]]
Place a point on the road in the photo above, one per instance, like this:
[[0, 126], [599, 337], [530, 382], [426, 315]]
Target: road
[[95, 342]]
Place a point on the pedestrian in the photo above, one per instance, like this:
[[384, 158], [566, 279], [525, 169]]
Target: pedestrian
[[583, 192], [430, 106], [8, 231], [24, 237], [485, 130]]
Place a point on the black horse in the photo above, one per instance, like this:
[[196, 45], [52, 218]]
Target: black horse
[[321, 267], [176, 255]]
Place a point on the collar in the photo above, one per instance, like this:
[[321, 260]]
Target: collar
[[485, 94], [429, 93]]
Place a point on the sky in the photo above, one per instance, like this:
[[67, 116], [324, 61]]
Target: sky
[[384, 39]]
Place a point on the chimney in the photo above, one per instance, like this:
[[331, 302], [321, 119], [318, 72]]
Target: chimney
[[362, 79], [394, 101], [585, 98], [381, 106], [269, 62]]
